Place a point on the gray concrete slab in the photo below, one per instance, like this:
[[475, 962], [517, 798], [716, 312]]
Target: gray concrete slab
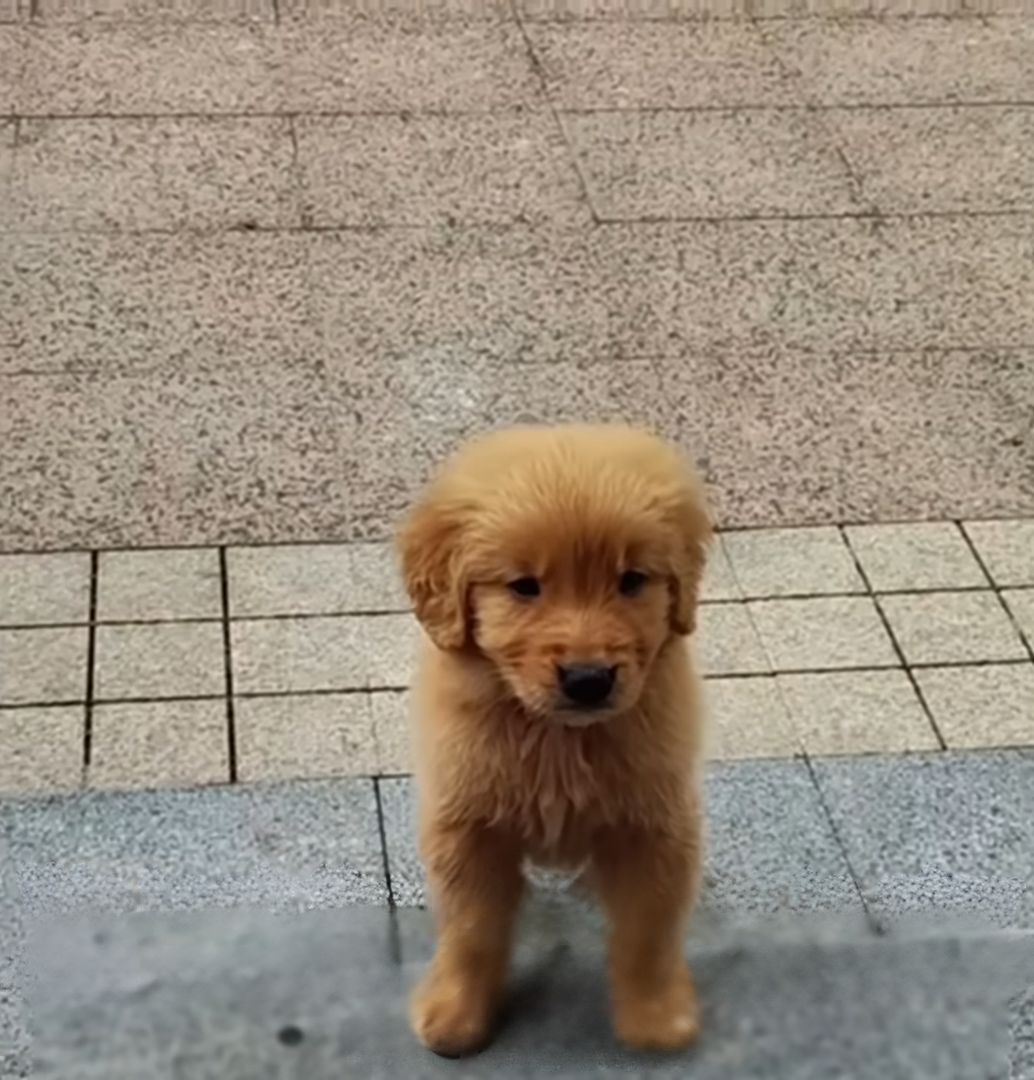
[[938, 832], [768, 849], [243, 996]]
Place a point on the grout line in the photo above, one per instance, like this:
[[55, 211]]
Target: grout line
[[894, 642], [91, 664], [382, 830], [231, 723], [874, 924], [997, 589], [574, 161]]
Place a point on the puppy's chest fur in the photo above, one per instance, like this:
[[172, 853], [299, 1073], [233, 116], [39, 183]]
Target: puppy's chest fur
[[555, 787]]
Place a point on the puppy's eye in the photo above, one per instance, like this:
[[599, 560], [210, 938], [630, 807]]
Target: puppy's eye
[[631, 582], [525, 587]]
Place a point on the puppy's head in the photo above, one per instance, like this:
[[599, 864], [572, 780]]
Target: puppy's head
[[567, 557]]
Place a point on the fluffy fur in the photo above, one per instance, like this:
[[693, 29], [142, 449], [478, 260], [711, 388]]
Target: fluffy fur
[[507, 769]]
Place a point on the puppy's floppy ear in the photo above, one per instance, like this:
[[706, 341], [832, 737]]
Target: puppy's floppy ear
[[694, 532], [430, 545]]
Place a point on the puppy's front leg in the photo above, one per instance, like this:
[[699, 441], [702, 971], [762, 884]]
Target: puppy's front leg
[[476, 884], [646, 885]]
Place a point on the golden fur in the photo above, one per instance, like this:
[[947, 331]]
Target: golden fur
[[507, 769]]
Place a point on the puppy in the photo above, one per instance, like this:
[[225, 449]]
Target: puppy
[[555, 572]]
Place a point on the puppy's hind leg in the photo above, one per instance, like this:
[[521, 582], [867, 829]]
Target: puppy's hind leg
[[646, 883], [476, 885]]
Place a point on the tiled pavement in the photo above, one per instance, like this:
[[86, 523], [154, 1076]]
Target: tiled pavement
[[203, 665]]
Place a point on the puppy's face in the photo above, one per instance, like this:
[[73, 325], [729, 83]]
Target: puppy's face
[[566, 557], [572, 633]]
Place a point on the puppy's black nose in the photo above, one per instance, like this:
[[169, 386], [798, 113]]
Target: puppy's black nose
[[586, 684]]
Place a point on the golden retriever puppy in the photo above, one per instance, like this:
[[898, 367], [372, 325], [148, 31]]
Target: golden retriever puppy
[[555, 572]]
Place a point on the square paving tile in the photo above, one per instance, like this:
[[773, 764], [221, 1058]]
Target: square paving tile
[[159, 744], [169, 583], [747, 718], [45, 588], [925, 555], [1021, 603], [589, 66], [823, 632], [726, 643], [1007, 549], [940, 160], [787, 562], [43, 666], [719, 581], [158, 173], [391, 731], [990, 705], [318, 735], [160, 660], [41, 750], [857, 712], [946, 628], [436, 170], [324, 653], [674, 165], [950, 828], [314, 579]]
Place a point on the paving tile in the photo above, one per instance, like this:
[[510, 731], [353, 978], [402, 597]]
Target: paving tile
[[645, 65], [939, 160], [157, 173], [872, 61], [991, 705], [131, 303], [708, 164], [12, 66], [68, 439], [428, 11], [719, 581], [159, 744], [292, 736], [912, 825], [353, 65], [747, 718], [787, 562], [155, 10], [323, 653], [1006, 548], [43, 666], [935, 282], [726, 642], [946, 628], [314, 579], [284, 847], [41, 750], [391, 731], [44, 588], [424, 297], [857, 712], [8, 130], [159, 660], [433, 170], [824, 632], [1021, 603], [147, 68], [923, 555], [166, 583]]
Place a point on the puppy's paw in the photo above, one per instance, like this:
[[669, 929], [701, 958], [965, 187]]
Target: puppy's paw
[[667, 1019], [450, 1018]]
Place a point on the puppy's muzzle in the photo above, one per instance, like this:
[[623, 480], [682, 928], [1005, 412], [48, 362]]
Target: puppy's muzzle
[[587, 686]]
